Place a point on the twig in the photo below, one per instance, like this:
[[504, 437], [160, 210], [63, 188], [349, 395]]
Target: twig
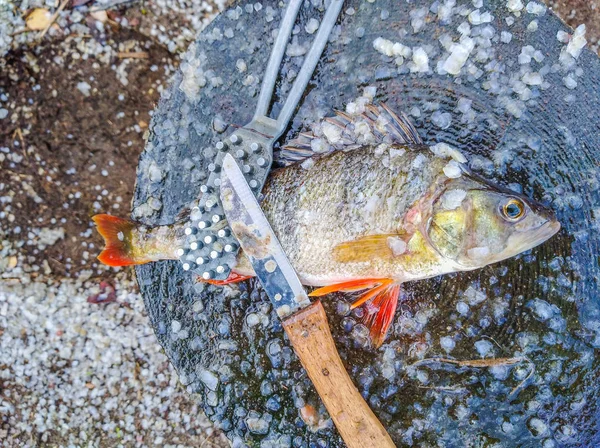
[[110, 5], [53, 18], [482, 363], [21, 31], [132, 55], [474, 362], [453, 389]]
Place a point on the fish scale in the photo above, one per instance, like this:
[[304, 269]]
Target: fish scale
[[210, 249]]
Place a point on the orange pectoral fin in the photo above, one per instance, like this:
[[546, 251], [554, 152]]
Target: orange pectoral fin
[[368, 247], [117, 234]]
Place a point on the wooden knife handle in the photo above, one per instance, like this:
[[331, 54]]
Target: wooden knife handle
[[311, 338]]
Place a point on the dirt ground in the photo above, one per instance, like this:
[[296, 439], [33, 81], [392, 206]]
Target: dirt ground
[[79, 153]]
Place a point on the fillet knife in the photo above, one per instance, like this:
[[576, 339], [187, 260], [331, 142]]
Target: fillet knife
[[304, 322]]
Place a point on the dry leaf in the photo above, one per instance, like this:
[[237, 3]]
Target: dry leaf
[[100, 16], [38, 19]]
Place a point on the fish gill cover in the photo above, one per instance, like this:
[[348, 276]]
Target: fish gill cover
[[508, 84]]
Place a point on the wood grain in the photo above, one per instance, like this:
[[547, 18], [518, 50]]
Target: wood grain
[[311, 338]]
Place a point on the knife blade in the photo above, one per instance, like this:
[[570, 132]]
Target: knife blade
[[304, 322], [249, 224]]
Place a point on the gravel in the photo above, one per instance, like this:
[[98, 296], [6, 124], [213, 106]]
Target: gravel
[[74, 372], [79, 362]]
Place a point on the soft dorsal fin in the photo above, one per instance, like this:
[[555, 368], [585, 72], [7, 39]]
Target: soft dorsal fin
[[371, 246], [377, 124]]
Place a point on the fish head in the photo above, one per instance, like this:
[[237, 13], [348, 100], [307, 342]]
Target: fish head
[[475, 223]]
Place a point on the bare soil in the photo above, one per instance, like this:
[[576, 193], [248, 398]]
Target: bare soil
[[77, 149]]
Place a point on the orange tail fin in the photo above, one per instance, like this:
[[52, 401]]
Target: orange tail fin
[[381, 299], [233, 278], [117, 236]]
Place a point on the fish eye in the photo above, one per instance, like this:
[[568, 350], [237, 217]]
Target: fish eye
[[513, 210]]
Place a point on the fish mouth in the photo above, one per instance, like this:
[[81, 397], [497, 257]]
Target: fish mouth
[[521, 242]]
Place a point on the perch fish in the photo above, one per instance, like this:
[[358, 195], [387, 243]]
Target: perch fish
[[364, 206]]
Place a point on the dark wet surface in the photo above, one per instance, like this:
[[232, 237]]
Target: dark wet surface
[[541, 307]]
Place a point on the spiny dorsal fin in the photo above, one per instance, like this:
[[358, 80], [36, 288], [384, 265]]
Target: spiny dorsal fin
[[371, 246], [377, 124]]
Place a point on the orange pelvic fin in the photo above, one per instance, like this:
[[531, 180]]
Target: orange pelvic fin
[[233, 278], [381, 299], [349, 286], [117, 236], [380, 313]]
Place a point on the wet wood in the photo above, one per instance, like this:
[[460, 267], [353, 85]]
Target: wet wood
[[311, 338]]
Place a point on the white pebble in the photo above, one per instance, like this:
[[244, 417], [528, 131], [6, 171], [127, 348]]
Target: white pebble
[[447, 343], [505, 37], [209, 379], [563, 36], [514, 5], [462, 308], [536, 8], [312, 26], [420, 60], [459, 53], [570, 81], [577, 42], [532, 79], [84, 88], [533, 26], [483, 347], [442, 120]]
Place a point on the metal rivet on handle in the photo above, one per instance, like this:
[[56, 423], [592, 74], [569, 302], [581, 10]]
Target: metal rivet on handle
[[207, 275]]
